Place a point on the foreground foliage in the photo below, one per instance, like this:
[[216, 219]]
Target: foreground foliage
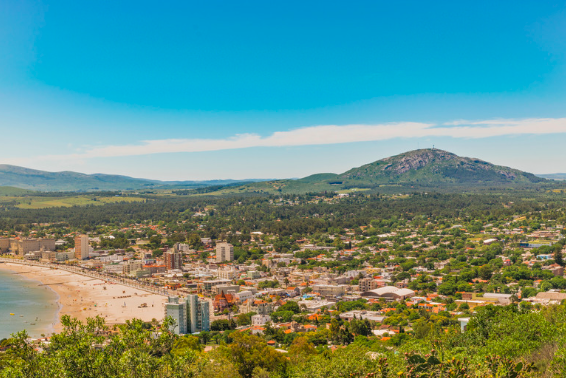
[[505, 342]]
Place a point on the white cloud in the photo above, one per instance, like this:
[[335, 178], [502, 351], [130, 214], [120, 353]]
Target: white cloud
[[328, 134]]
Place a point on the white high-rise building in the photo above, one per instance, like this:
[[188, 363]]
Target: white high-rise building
[[191, 315], [224, 252], [178, 311], [199, 314]]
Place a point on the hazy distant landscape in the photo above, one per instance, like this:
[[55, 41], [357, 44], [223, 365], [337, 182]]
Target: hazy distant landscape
[[32, 179], [422, 168]]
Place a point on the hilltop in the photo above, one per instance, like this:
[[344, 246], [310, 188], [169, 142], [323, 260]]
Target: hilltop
[[432, 166], [424, 168]]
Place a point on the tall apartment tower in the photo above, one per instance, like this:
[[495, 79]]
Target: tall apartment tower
[[82, 247], [191, 315], [224, 252], [173, 260], [178, 311], [199, 314]]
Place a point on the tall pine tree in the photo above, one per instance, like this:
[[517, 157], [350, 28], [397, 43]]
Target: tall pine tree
[[558, 257]]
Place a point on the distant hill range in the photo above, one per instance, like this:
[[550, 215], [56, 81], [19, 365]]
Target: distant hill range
[[31, 179], [553, 176], [425, 168]]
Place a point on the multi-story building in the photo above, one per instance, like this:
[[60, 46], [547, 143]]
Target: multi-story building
[[178, 311], [49, 256], [191, 314], [232, 289], [46, 244], [199, 314], [259, 320], [227, 274], [28, 245], [367, 284], [207, 286], [184, 248], [153, 269], [329, 290], [24, 246], [224, 252], [82, 247], [131, 266], [14, 245], [4, 245], [244, 296], [173, 260], [62, 256], [254, 274]]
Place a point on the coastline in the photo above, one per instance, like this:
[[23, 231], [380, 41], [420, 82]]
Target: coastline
[[24, 296], [82, 297]]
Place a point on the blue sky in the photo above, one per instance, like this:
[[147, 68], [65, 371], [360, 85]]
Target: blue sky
[[264, 89]]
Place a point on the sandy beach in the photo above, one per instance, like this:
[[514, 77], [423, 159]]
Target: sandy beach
[[83, 297]]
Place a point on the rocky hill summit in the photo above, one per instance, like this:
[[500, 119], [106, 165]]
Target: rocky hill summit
[[436, 166]]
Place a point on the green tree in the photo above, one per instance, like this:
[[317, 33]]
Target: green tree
[[185, 344], [290, 306], [558, 256], [249, 351], [282, 316], [245, 319], [301, 350], [485, 272], [194, 241]]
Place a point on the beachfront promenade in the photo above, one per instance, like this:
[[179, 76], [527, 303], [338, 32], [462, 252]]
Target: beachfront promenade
[[92, 274]]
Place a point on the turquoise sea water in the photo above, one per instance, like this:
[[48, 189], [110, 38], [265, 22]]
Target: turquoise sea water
[[35, 306]]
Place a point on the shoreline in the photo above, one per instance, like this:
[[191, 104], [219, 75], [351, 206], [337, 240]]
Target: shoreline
[[82, 297], [34, 330], [55, 321]]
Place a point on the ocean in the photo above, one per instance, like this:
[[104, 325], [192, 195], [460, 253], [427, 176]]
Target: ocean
[[34, 306]]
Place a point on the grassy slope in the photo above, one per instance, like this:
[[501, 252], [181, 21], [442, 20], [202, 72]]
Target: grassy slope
[[11, 191], [46, 202], [26, 199]]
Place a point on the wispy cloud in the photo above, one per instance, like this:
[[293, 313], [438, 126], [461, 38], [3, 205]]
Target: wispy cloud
[[328, 134]]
